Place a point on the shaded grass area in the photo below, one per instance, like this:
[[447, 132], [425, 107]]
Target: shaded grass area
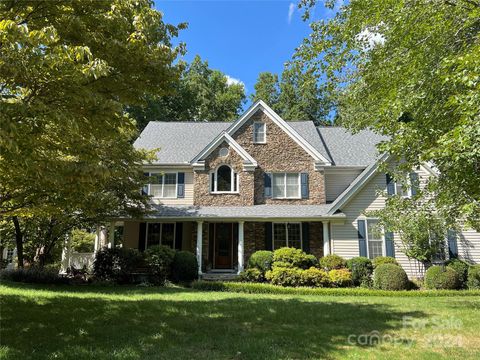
[[61, 322]]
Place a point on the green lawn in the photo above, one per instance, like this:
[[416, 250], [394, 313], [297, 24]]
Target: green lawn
[[174, 323]]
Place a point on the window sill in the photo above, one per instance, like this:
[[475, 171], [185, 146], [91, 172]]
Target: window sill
[[224, 192], [162, 197], [288, 198]]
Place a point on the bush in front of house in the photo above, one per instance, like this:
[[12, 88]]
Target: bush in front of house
[[252, 275], [184, 267], [332, 261], [461, 267], [361, 268], [380, 260], [473, 279], [159, 259], [340, 277], [34, 275], [284, 276], [441, 278], [261, 260], [390, 277], [116, 264], [314, 277], [293, 258]]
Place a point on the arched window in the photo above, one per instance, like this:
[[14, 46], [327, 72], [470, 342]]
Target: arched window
[[224, 179]]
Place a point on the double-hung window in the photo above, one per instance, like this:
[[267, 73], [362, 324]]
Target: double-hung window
[[286, 185], [161, 234], [287, 235], [163, 185], [259, 133], [375, 239]]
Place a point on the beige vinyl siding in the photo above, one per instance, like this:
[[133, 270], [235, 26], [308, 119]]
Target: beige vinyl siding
[[337, 181], [468, 244], [188, 199]]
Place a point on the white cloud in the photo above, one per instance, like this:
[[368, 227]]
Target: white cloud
[[291, 10], [370, 37], [233, 81]]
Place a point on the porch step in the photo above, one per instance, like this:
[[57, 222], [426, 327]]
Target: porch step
[[219, 276]]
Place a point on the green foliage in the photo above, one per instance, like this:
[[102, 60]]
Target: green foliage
[[252, 275], [438, 277], [291, 257], [332, 261], [82, 241], [116, 264], [390, 277], [33, 275], [201, 94], [473, 281], [461, 267], [380, 260], [284, 276], [261, 260], [184, 267], [409, 70], [159, 259], [340, 277], [361, 268], [315, 277]]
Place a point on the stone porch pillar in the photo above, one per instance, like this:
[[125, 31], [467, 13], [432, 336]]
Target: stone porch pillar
[[199, 245], [240, 246], [326, 238]]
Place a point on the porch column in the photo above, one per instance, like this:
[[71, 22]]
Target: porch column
[[240, 246], [199, 245], [111, 235], [326, 238], [66, 251], [96, 244]]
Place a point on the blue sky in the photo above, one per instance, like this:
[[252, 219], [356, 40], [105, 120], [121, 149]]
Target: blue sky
[[240, 38]]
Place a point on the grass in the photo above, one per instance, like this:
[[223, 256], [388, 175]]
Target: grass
[[66, 322]]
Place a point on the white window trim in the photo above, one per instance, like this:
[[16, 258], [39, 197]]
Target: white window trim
[[299, 196], [384, 245], [409, 189], [286, 233], [264, 132], [161, 228], [232, 184], [163, 185]]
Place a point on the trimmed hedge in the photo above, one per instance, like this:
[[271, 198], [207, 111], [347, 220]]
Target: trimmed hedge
[[440, 278], [380, 260], [117, 264], [361, 268], [390, 277], [331, 262], [159, 259], [262, 260], [252, 275], [256, 288], [461, 267], [34, 275], [285, 276], [315, 277], [473, 281], [340, 277], [184, 267], [293, 258]]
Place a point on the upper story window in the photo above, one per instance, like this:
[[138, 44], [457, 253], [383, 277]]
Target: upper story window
[[259, 133], [224, 180], [163, 185], [286, 186], [405, 190]]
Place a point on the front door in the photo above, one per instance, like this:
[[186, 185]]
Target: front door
[[223, 246]]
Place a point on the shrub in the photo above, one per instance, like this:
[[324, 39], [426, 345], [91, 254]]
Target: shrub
[[461, 267], [184, 267], [284, 276], [34, 275], [361, 268], [262, 260], [380, 260], [116, 264], [252, 275], [331, 262], [439, 277], [340, 277], [473, 280], [291, 257], [159, 259], [390, 277], [314, 277]]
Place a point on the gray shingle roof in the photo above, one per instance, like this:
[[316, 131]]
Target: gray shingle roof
[[242, 212]]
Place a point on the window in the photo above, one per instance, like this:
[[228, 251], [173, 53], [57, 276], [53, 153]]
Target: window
[[223, 152], [163, 185], [259, 133], [286, 186], [161, 234], [287, 234], [407, 189], [224, 180], [374, 239]]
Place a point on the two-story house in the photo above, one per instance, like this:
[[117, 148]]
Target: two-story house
[[224, 190]]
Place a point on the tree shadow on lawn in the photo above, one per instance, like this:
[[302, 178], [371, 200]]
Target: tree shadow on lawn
[[219, 327]]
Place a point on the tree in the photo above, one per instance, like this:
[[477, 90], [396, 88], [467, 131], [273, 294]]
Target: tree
[[409, 70], [67, 72], [201, 94], [297, 96]]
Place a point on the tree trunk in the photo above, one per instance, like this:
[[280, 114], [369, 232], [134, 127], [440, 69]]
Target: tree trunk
[[18, 241]]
